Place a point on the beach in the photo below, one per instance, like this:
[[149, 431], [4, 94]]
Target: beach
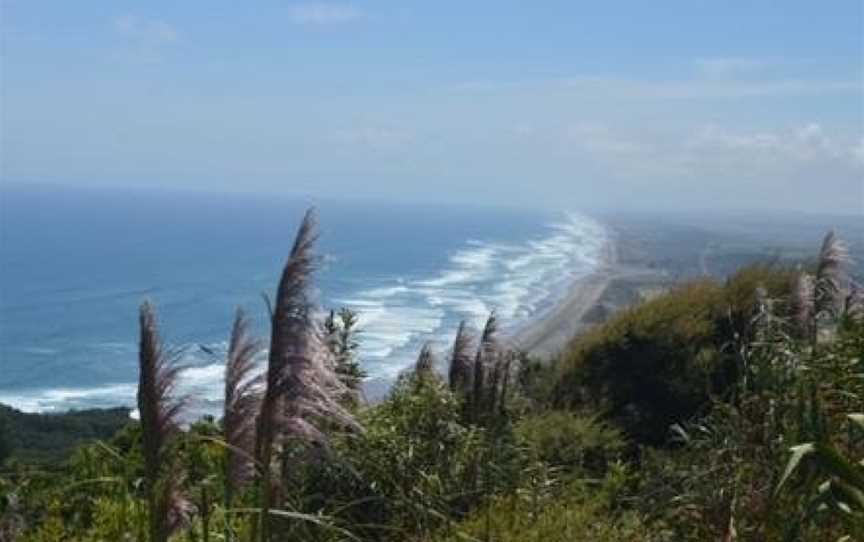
[[547, 333], [640, 260], [68, 328], [644, 257]]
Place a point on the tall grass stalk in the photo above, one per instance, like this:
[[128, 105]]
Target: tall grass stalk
[[241, 408], [159, 411], [460, 375], [301, 383]]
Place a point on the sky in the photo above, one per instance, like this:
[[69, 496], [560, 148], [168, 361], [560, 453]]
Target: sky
[[644, 105]]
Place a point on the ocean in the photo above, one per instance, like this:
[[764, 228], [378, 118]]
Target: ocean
[[76, 264]]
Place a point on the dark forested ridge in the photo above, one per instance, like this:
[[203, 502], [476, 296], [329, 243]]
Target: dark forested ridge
[[52, 437]]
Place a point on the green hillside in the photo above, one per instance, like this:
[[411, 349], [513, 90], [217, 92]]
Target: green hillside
[[49, 438], [721, 410]]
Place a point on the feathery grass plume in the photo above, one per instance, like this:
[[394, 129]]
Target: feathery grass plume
[[763, 318], [485, 351], [496, 394], [178, 509], [505, 385], [242, 404], [424, 367], [291, 303], [300, 381], [311, 386], [491, 396], [804, 303], [159, 412], [854, 305], [461, 362], [830, 276]]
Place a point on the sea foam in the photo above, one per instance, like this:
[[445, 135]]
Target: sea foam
[[398, 314], [517, 280]]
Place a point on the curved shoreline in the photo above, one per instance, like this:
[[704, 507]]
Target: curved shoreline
[[546, 334], [543, 334]]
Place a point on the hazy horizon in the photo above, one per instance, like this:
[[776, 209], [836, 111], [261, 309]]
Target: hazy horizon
[[739, 106]]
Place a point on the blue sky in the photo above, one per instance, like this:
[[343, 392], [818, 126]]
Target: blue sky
[[569, 104]]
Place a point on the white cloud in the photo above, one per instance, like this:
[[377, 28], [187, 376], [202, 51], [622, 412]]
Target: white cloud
[[145, 31], [803, 166], [712, 153], [124, 24], [669, 89], [705, 89], [376, 137], [858, 152], [144, 40], [805, 143], [728, 67], [321, 14], [598, 139]]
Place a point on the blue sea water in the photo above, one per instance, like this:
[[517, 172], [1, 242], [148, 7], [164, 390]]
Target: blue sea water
[[75, 265]]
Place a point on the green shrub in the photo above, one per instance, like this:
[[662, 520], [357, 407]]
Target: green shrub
[[660, 362], [776, 463], [45, 438], [579, 443], [414, 464], [650, 365], [579, 513]]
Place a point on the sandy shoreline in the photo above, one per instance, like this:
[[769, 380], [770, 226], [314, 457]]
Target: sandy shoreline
[[613, 285], [548, 333]]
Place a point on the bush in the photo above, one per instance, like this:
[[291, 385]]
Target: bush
[[49, 438], [650, 365], [578, 513], [660, 362], [789, 425], [414, 464], [579, 443]]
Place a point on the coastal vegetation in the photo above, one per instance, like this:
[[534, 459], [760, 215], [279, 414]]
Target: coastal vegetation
[[50, 438], [721, 410]]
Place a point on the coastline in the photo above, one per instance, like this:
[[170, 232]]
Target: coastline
[[585, 300], [623, 278], [546, 334]]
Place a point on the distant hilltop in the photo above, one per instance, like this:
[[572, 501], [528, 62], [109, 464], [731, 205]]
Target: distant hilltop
[[51, 437]]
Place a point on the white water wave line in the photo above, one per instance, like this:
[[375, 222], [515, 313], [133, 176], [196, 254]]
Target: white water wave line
[[517, 280]]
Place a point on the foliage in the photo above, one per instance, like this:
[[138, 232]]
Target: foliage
[[578, 512], [660, 362], [5, 440], [46, 438], [828, 458], [773, 463], [581, 443], [342, 338], [414, 464], [711, 413], [651, 364]]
